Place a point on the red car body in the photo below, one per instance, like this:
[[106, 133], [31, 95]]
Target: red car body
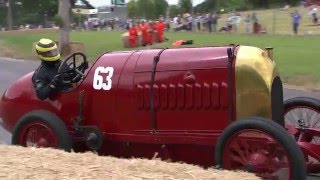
[[190, 100]]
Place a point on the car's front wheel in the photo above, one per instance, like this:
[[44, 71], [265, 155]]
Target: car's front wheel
[[42, 129], [260, 146]]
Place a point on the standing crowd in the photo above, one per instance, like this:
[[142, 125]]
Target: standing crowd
[[209, 23]]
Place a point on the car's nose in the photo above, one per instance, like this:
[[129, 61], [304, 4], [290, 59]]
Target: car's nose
[[254, 75]]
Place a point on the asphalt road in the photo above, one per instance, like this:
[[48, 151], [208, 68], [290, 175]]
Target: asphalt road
[[12, 69]]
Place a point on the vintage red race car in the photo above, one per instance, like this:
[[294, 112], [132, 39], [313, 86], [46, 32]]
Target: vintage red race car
[[213, 106]]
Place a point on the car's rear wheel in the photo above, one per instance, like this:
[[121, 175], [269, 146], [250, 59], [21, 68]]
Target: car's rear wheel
[[42, 129], [260, 146]]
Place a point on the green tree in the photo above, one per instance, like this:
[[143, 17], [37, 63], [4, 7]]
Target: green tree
[[36, 11], [3, 15], [145, 9], [132, 9], [160, 7], [185, 6], [173, 10]]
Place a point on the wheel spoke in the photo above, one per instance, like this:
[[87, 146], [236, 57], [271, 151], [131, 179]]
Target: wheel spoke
[[261, 154], [238, 150], [32, 137], [36, 135], [309, 115]]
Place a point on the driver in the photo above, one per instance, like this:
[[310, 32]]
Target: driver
[[45, 79]]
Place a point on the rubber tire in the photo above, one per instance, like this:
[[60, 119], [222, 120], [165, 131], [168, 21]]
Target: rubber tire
[[302, 101], [52, 121], [298, 165]]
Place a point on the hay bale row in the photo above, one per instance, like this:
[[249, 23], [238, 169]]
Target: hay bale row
[[31, 163]]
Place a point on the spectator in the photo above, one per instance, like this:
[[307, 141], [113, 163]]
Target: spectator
[[209, 22], [236, 19], [168, 22], [248, 23], [214, 22], [199, 22], [313, 14], [194, 23], [296, 19], [255, 23], [175, 23], [228, 26], [204, 20]]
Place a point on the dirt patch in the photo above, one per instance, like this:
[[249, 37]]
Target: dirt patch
[[31, 163]]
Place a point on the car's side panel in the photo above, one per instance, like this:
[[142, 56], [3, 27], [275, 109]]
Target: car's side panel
[[100, 87], [184, 58], [185, 106], [126, 120], [188, 96]]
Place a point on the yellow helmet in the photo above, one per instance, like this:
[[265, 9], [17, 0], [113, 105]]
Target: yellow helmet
[[47, 50]]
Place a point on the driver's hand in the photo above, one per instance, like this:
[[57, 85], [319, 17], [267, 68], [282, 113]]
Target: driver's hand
[[56, 81], [83, 66]]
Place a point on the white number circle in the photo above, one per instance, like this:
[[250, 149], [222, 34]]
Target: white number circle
[[98, 81]]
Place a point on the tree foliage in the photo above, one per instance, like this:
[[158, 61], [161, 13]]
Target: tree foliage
[[160, 7], [149, 9], [145, 9], [36, 11], [185, 6], [132, 9], [173, 10]]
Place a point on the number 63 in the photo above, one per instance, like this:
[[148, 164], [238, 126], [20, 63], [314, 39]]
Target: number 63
[[98, 81]]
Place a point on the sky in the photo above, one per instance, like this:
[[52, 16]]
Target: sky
[[98, 3]]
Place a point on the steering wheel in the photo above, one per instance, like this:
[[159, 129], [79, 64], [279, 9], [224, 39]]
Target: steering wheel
[[71, 70]]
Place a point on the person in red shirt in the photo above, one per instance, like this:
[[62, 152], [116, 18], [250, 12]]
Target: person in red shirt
[[160, 29], [133, 33]]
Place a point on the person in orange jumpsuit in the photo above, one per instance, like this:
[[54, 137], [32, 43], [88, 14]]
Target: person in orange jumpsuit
[[144, 33], [138, 26], [160, 29], [151, 32], [133, 33]]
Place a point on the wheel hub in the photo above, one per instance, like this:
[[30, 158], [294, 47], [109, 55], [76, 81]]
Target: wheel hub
[[249, 167], [37, 135], [42, 142], [257, 158]]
